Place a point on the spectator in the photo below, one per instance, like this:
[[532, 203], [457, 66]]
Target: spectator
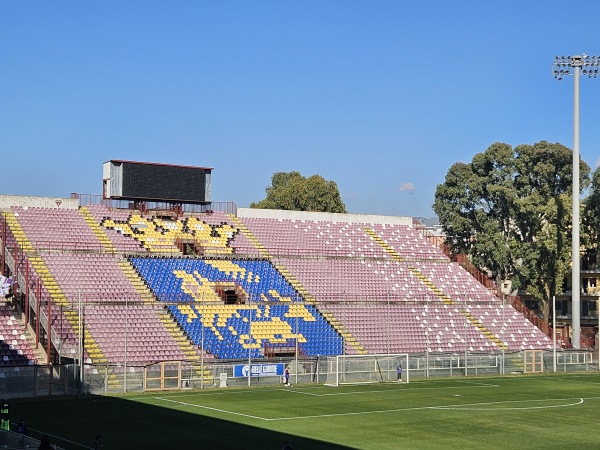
[[4, 407]]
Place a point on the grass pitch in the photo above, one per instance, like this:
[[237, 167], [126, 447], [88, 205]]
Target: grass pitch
[[512, 412]]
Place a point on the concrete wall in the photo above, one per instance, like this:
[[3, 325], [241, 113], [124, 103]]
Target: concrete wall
[[331, 217], [6, 201]]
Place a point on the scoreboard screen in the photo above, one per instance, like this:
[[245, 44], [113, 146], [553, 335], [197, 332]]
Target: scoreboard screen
[[156, 182]]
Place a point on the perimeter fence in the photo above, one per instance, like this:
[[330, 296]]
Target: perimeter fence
[[65, 380]]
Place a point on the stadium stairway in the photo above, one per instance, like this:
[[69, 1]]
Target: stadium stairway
[[72, 316], [384, 245], [97, 229], [167, 319], [58, 297], [262, 250], [438, 292], [341, 329], [18, 233]]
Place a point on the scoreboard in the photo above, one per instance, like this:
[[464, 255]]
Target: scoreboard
[[142, 181]]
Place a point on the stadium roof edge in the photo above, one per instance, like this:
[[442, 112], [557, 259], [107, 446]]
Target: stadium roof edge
[[157, 164]]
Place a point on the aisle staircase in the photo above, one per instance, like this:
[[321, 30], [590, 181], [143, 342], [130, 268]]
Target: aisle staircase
[[446, 299], [58, 297], [97, 229], [262, 250]]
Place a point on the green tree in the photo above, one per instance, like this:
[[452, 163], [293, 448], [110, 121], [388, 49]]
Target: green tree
[[590, 218], [508, 210], [292, 191]]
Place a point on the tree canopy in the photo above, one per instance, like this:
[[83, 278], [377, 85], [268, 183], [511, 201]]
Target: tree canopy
[[292, 191], [509, 210]]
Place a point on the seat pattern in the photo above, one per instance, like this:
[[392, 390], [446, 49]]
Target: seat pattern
[[269, 310]]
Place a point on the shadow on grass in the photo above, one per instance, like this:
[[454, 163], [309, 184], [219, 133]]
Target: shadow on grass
[[127, 424]]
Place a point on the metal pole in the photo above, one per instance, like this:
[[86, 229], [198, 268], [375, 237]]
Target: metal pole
[[575, 304], [388, 323], [80, 331], [554, 333], [202, 343], [250, 340], [564, 66], [427, 342], [466, 326], [296, 350], [125, 362], [503, 337]]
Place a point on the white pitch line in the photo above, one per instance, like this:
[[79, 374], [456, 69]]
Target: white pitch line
[[224, 411], [442, 407], [456, 407], [409, 389], [571, 380], [467, 407]]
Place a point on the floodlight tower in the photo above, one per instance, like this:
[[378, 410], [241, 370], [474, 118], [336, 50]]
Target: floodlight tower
[[562, 67]]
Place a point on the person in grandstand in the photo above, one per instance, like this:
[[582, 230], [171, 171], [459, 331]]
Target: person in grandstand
[[287, 376], [399, 372]]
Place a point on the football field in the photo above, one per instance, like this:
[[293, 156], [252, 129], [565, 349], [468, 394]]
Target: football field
[[512, 412]]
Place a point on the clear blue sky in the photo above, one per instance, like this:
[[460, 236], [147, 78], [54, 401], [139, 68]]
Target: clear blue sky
[[380, 96]]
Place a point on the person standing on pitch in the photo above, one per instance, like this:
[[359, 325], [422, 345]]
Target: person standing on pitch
[[287, 376], [399, 372]]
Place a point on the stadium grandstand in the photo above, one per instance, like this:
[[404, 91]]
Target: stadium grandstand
[[140, 288], [114, 289]]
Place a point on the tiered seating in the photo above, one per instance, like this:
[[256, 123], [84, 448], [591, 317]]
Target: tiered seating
[[455, 281], [306, 237], [357, 279], [122, 243], [510, 326], [269, 311], [62, 229], [106, 293], [410, 327], [14, 347], [132, 327], [407, 242], [95, 276], [385, 285]]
